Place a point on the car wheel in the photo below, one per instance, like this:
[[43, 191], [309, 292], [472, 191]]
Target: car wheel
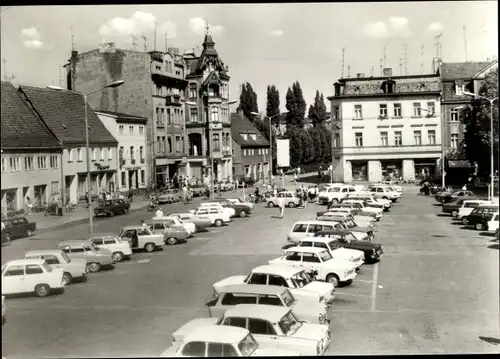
[[117, 256], [465, 221], [243, 214], [149, 247], [29, 233], [385, 197], [335, 201], [171, 240], [270, 204], [111, 214], [333, 279], [454, 213], [8, 237], [480, 226], [94, 267], [218, 222], [291, 205], [42, 290], [125, 211], [67, 278]]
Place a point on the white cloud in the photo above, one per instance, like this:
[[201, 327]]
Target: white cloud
[[276, 32], [170, 28], [435, 27], [137, 24], [198, 26], [377, 30], [398, 23], [33, 44], [31, 33]]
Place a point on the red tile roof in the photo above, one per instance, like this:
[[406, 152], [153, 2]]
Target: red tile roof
[[20, 126], [64, 114]]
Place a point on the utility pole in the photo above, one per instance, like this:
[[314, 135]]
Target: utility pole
[[343, 54], [371, 72], [60, 77], [465, 42]]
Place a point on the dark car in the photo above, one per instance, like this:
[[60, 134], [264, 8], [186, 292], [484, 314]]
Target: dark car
[[112, 207], [373, 251], [454, 206], [240, 210], [448, 197], [480, 216], [16, 228]]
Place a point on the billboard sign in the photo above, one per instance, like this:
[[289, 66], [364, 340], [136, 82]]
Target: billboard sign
[[283, 149]]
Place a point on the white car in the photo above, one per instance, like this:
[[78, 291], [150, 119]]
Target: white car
[[31, 275], [467, 208], [289, 197], [335, 194], [319, 260], [283, 329], [220, 341], [308, 228], [176, 221], [300, 283], [365, 208], [373, 201], [230, 211], [110, 241], [215, 214], [391, 184], [493, 223], [359, 221], [385, 192], [240, 202]]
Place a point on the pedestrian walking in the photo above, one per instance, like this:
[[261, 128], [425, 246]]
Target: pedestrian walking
[[295, 177], [281, 204], [304, 197], [29, 205]]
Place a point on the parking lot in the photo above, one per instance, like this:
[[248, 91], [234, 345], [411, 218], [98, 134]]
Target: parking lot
[[436, 290]]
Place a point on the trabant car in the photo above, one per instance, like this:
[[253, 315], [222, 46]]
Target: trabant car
[[240, 210], [371, 200], [16, 228], [447, 197], [215, 214], [273, 327], [302, 229], [361, 233], [83, 249], [492, 224], [391, 184], [362, 221], [220, 341], [363, 205], [31, 275], [55, 258], [335, 194], [119, 249], [289, 197], [111, 207], [177, 222], [173, 234], [332, 215], [321, 261], [169, 196], [228, 209], [300, 283], [242, 203], [201, 224], [231, 295], [141, 237], [385, 192]]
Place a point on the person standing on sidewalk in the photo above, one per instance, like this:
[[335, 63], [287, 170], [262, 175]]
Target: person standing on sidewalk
[[281, 204], [29, 205]]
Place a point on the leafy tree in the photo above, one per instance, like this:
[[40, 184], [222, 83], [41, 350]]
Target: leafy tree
[[296, 106], [248, 101], [294, 134], [273, 102], [308, 149], [317, 146]]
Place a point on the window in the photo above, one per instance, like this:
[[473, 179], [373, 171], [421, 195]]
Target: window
[[277, 280], [310, 258], [194, 349], [358, 136], [124, 179], [141, 152], [71, 155], [97, 241], [42, 162], [454, 115], [431, 107], [358, 112], [221, 350], [384, 138], [34, 269], [216, 140], [258, 278], [336, 140], [4, 164], [214, 114], [454, 140], [259, 326], [398, 138], [141, 130], [120, 129], [132, 154], [169, 141], [236, 322], [50, 259], [162, 116], [158, 116], [383, 110], [14, 271], [336, 113], [397, 110], [432, 137], [417, 137], [177, 143], [235, 299], [293, 256], [103, 154], [54, 161], [131, 129], [54, 187], [94, 154], [169, 117], [300, 228], [28, 163], [192, 91], [143, 177], [270, 300], [417, 110]]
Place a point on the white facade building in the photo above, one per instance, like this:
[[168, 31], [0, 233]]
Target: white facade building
[[386, 126]]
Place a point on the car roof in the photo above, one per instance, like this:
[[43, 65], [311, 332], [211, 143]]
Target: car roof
[[253, 288], [217, 334], [306, 249], [137, 226], [335, 231], [20, 262], [180, 214], [103, 234], [283, 270], [317, 239], [313, 221], [68, 242], [489, 205], [43, 251], [257, 311]]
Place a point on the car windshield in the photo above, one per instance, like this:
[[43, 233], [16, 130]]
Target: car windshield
[[46, 267], [391, 189], [65, 257], [325, 256], [333, 245], [350, 223], [289, 324], [287, 298], [301, 279], [248, 345]]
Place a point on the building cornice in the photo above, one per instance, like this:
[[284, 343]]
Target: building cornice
[[384, 96]]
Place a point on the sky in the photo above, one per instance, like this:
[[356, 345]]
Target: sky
[[264, 44]]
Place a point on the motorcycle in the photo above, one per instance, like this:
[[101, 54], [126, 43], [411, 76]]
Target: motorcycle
[[256, 199], [153, 205]]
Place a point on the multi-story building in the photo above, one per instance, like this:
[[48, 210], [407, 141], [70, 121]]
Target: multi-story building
[[63, 112], [130, 132], [250, 149], [31, 155], [154, 84], [386, 126], [207, 123]]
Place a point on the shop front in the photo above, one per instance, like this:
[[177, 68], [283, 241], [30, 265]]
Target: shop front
[[359, 170]]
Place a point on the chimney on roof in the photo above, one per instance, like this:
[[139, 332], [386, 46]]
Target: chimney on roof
[[387, 72], [173, 50], [360, 75]]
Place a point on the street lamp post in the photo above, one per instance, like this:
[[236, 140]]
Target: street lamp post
[[492, 164], [87, 147], [270, 118]]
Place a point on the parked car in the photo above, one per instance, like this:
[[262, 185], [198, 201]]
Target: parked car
[[364, 207], [177, 222], [385, 192], [31, 276], [371, 200], [83, 249], [169, 196], [290, 198], [200, 224], [391, 184], [240, 202], [453, 207], [229, 210], [361, 233], [220, 341], [240, 210], [172, 233], [119, 249], [481, 215], [300, 283], [373, 251], [303, 229], [335, 194], [352, 207], [141, 237], [111, 207], [319, 260], [492, 224], [447, 197], [73, 268], [215, 214], [231, 295], [346, 213], [467, 207], [271, 326], [17, 227]]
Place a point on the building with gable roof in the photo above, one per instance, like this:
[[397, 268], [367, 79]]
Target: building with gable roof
[[386, 126], [31, 154], [63, 113]]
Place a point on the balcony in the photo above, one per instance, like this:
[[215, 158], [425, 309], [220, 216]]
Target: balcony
[[174, 100], [168, 78]]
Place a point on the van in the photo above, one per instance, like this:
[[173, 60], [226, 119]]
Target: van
[[303, 229]]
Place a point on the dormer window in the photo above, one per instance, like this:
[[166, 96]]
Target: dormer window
[[459, 88], [389, 86], [245, 136], [253, 136]]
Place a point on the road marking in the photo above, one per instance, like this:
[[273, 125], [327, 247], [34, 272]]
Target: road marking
[[354, 295], [147, 260], [374, 287]]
